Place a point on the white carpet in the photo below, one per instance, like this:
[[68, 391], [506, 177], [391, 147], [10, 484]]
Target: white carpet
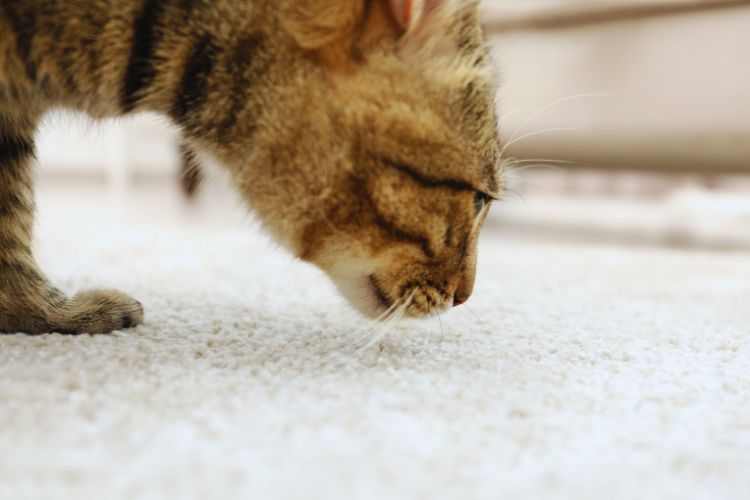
[[585, 372]]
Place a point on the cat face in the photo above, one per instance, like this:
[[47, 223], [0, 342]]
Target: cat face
[[405, 186]]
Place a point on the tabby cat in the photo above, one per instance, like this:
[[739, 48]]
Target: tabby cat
[[362, 133]]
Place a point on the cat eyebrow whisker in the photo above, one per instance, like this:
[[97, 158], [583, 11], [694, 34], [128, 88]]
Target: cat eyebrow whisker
[[514, 162], [518, 179], [549, 106], [541, 166], [535, 133], [519, 195]]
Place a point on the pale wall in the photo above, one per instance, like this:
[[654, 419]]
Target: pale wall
[[679, 91]]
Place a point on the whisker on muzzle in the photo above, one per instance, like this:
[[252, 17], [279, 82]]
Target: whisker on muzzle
[[440, 321], [365, 332], [381, 327]]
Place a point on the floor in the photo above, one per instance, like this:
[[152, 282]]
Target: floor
[[583, 369]]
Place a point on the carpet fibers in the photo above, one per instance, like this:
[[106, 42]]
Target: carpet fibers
[[581, 372]]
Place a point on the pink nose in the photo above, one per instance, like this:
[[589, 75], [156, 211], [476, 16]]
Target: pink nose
[[460, 298], [464, 288]]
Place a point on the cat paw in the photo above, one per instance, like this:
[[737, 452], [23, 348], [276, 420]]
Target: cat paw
[[101, 311]]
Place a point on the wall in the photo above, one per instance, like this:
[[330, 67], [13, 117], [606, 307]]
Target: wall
[[678, 91]]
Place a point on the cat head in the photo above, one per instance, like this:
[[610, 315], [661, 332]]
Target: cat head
[[397, 143]]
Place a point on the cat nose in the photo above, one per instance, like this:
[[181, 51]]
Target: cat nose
[[459, 299], [465, 284]]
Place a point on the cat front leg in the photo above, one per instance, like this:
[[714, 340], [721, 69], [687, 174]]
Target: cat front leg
[[28, 302]]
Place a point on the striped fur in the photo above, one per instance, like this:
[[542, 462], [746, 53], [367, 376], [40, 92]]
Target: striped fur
[[191, 175], [362, 148]]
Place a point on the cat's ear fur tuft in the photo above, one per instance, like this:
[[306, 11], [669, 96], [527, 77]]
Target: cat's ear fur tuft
[[315, 24]]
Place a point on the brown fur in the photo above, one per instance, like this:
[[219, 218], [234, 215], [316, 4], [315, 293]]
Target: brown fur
[[363, 150]]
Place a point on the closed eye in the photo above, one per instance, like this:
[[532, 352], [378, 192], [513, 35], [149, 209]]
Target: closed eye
[[428, 182], [481, 200]]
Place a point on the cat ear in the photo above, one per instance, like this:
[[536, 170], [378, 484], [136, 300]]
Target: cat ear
[[327, 26], [407, 12], [317, 23], [425, 24]]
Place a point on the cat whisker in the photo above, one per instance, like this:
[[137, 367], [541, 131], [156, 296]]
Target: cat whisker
[[541, 161], [551, 105], [385, 328], [535, 133], [520, 165], [388, 325], [518, 195], [428, 337], [440, 321], [514, 167], [365, 333], [520, 182], [481, 321], [436, 316], [515, 173], [538, 166]]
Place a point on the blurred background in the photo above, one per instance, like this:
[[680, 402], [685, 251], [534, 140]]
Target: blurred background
[[626, 122]]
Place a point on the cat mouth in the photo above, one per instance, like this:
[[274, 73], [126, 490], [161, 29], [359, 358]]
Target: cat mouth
[[417, 299]]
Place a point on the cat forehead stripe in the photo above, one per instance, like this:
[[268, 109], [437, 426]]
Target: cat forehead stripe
[[401, 234]]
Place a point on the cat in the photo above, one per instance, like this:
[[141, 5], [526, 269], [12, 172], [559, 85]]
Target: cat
[[362, 133]]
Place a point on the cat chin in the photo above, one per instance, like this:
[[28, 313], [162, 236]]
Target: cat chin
[[367, 305], [354, 287], [353, 282]]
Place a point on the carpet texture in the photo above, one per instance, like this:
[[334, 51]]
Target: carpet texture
[[583, 372]]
